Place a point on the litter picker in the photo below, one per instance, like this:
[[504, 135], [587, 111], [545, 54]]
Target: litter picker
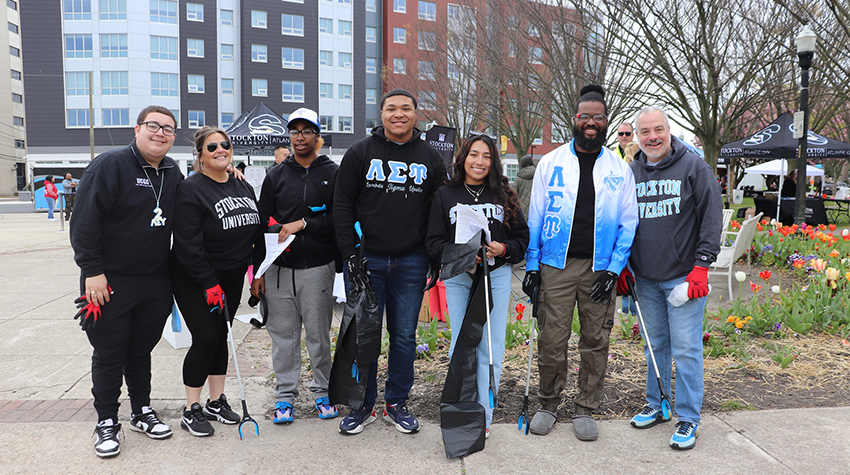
[[494, 396], [245, 416], [523, 417]]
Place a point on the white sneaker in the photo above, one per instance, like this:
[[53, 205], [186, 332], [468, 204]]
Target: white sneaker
[[108, 438]]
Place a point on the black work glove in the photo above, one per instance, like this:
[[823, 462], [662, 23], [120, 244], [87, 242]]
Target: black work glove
[[531, 283], [275, 228], [358, 273], [432, 276], [88, 313], [601, 290]]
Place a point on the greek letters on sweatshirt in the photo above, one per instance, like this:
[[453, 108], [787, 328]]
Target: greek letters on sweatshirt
[[113, 215], [387, 187], [216, 225]]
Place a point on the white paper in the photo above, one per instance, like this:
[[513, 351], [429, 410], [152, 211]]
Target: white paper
[[468, 223], [273, 249], [339, 288]]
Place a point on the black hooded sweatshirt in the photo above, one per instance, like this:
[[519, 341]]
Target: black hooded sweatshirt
[[387, 187]]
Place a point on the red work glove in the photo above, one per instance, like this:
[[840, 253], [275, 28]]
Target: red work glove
[[88, 313], [697, 282], [621, 282], [215, 297]]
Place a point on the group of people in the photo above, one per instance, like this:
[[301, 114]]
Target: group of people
[[392, 196], [51, 195]]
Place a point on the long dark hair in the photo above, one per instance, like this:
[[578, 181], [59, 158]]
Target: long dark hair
[[503, 194]]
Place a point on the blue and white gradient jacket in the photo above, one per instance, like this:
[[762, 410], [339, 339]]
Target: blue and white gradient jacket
[[550, 214]]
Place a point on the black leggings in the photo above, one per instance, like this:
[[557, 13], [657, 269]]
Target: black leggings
[[208, 353]]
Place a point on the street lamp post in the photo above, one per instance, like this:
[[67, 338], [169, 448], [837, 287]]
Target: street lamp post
[[806, 41]]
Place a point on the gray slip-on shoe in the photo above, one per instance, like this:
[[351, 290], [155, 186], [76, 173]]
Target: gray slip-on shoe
[[585, 427], [542, 422]]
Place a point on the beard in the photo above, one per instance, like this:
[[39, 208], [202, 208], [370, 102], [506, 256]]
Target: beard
[[591, 145]]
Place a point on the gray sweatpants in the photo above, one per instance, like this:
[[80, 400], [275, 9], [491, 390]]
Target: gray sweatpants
[[296, 297]]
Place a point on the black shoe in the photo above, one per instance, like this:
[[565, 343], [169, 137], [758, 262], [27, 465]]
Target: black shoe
[[220, 410], [150, 424], [107, 443], [196, 422]]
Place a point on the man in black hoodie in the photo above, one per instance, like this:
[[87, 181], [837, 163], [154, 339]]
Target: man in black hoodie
[[385, 183], [677, 239]]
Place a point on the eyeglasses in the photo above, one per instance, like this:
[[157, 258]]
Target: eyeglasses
[[212, 146], [475, 133], [582, 118], [154, 127], [306, 133], [624, 134]]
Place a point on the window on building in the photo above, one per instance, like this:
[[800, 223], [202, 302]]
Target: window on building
[[113, 46], [371, 65], [399, 35], [12, 4], [227, 52], [13, 27], [259, 53], [427, 40], [164, 84], [326, 90], [16, 52], [511, 50], [326, 25], [259, 19], [427, 100], [78, 46], [77, 84], [327, 123], [113, 9], [114, 83], [345, 1], [16, 74], [371, 95], [164, 11], [400, 6], [194, 11], [532, 31], [197, 119], [20, 143], [194, 48], [17, 98], [399, 66], [78, 117], [535, 55], [344, 27], [371, 124], [427, 70], [326, 58], [77, 9], [17, 120], [371, 34], [294, 1], [292, 91], [292, 58], [195, 83], [226, 120], [453, 71], [292, 25], [371, 5], [259, 87], [345, 60], [227, 87], [345, 91], [227, 17], [345, 124], [116, 117], [427, 11], [164, 47]]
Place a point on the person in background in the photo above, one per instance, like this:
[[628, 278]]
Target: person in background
[[51, 194], [789, 186], [70, 191], [479, 182], [216, 224], [524, 178], [625, 135], [281, 153]]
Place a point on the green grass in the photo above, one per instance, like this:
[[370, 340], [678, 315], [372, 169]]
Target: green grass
[[735, 405]]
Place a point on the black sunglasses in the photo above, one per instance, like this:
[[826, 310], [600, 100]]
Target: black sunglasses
[[475, 133], [624, 134], [212, 146]]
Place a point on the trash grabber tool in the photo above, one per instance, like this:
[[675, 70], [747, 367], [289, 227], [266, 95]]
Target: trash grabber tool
[[494, 396], [523, 417], [245, 416], [666, 406]]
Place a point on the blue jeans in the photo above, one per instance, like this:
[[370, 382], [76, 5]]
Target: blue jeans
[[628, 305], [398, 282], [51, 203], [675, 334], [457, 297]]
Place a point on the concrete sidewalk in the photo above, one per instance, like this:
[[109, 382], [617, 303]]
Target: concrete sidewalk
[[46, 418]]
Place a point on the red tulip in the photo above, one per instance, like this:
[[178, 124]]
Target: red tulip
[[765, 274]]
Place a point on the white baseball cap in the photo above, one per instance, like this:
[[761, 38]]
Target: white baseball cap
[[304, 114]]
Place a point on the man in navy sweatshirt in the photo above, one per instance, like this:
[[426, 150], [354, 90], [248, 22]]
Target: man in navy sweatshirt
[[385, 182], [677, 239]]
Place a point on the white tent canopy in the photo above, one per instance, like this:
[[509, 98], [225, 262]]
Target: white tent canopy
[[780, 167]]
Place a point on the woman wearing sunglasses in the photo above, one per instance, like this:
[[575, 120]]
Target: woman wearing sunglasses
[[215, 226], [478, 182]]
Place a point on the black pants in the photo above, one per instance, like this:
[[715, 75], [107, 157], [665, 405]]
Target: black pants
[[129, 328], [208, 353]]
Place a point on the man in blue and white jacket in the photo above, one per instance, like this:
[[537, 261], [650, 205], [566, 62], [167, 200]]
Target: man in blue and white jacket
[[582, 220]]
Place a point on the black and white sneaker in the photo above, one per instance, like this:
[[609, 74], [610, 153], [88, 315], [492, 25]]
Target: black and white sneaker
[[219, 410], [149, 423], [196, 422], [107, 443]]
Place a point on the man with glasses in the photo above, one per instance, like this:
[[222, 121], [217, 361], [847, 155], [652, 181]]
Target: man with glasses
[[385, 183], [298, 287], [121, 235], [582, 220], [624, 137]]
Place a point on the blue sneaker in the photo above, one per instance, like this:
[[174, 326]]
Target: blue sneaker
[[356, 420], [326, 411], [648, 417], [282, 413], [685, 436], [403, 420]]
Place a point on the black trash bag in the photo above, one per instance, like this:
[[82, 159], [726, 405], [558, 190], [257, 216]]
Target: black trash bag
[[460, 258]]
